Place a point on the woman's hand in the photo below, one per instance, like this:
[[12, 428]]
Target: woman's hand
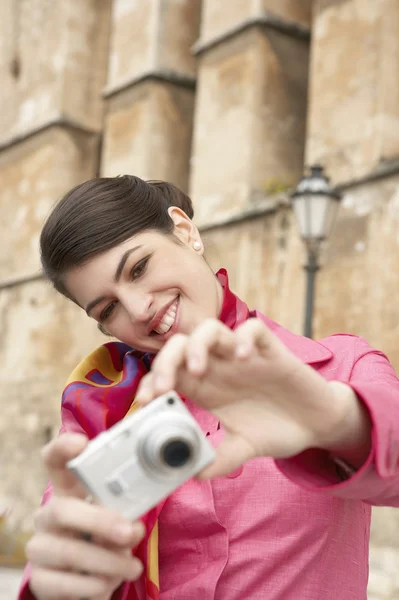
[[64, 565], [269, 402]]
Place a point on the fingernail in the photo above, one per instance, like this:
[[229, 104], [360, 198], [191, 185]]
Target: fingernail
[[194, 363], [160, 382], [140, 397], [137, 569], [123, 531], [243, 350]]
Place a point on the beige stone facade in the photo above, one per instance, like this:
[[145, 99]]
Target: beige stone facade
[[227, 99]]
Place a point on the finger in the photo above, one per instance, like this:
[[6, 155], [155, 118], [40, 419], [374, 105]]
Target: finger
[[251, 335], [232, 452], [210, 337], [166, 364], [55, 456], [71, 554], [53, 584], [145, 391], [72, 514]]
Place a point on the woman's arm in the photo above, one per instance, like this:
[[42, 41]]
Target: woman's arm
[[272, 404], [375, 385]]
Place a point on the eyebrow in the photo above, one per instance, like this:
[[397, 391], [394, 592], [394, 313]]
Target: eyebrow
[[117, 277]]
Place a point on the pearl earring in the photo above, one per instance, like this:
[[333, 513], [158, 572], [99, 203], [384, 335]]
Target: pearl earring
[[197, 246]]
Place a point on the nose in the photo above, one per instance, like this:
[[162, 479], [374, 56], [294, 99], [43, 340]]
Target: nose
[[138, 306]]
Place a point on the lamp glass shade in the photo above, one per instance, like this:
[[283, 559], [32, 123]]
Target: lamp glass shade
[[315, 215]]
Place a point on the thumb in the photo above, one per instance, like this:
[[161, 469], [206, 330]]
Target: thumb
[[232, 452], [56, 455]]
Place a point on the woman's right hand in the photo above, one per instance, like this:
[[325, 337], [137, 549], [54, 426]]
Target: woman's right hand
[[64, 564]]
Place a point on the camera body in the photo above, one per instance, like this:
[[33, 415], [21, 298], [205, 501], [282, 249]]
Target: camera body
[[144, 458]]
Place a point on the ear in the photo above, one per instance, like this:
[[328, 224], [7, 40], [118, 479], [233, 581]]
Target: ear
[[185, 230]]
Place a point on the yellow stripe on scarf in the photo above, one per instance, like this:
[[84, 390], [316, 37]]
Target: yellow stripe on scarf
[[132, 409], [152, 556], [100, 360]]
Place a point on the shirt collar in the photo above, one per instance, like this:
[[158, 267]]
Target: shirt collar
[[234, 312]]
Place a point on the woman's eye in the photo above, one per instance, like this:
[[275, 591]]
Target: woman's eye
[[139, 268], [107, 312]]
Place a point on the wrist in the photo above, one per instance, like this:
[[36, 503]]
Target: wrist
[[349, 436]]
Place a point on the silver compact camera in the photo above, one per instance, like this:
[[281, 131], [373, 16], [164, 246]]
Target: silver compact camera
[[144, 458]]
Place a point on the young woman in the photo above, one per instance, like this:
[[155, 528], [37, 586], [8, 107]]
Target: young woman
[[307, 433]]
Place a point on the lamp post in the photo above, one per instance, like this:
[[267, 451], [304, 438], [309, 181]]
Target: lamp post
[[315, 205]]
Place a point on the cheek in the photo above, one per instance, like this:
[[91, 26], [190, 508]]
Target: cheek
[[121, 324], [204, 301]]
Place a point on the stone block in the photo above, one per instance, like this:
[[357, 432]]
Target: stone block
[[358, 280], [249, 121], [34, 174], [148, 132], [354, 97], [155, 35], [218, 17], [43, 337], [54, 58], [263, 258], [384, 578], [10, 580], [357, 286], [385, 527]]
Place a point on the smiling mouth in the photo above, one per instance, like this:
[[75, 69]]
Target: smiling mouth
[[168, 319]]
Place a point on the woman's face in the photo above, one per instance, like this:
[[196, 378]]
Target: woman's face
[[149, 287]]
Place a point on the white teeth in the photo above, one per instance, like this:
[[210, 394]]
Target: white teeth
[[168, 319]]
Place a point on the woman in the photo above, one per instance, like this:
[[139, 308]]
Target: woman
[[307, 433]]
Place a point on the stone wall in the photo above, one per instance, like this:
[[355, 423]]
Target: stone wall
[[227, 99]]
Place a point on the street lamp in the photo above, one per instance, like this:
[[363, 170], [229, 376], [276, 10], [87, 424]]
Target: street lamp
[[315, 205]]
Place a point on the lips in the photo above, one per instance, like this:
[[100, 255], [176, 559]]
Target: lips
[[165, 318]]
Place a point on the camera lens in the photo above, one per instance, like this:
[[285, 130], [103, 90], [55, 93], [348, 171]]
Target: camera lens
[[176, 453]]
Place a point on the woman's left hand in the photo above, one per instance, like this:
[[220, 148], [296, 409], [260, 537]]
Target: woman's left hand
[[269, 402]]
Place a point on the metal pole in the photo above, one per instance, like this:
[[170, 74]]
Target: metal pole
[[311, 269]]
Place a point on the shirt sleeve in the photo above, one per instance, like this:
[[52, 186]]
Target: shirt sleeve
[[376, 384]]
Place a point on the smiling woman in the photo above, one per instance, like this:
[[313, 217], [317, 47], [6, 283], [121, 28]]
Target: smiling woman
[[132, 270], [305, 431]]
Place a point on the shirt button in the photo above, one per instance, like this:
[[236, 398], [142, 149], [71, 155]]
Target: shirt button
[[235, 473]]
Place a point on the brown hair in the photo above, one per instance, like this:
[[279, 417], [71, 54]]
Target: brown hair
[[101, 213]]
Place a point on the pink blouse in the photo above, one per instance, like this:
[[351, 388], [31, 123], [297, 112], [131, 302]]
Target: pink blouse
[[289, 529]]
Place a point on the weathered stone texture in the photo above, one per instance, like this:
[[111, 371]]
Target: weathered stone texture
[[263, 257], [148, 132], [150, 36], [354, 95], [359, 281], [249, 121], [384, 574], [148, 126], [359, 275], [43, 337], [220, 15], [34, 174], [385, 528], [9, 583], [59, 49]]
